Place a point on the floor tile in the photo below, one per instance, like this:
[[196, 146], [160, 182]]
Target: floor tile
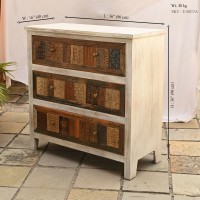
[[81, 194], [144, 196], [184, 134], [185, 165], [185, 148], [14, 117], [26, 130], [24, 99], [60, 159], [13, 98], [7, 193], [147, 164], [191, 124], [11, 127], [184, 184], [148, 182], [98, 179], [9, 107], [50, 178], [40, 194], [23, 142], [5, 139], [92, 161], [12, 176], [18, 90], [23, 157]]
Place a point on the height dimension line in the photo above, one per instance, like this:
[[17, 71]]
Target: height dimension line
[[114, 20]]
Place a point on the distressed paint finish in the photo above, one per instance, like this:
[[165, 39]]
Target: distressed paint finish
[[109, 126]]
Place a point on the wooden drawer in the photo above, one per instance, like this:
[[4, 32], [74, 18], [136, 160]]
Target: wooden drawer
[[73, 127], [85, 55], [84, 93]]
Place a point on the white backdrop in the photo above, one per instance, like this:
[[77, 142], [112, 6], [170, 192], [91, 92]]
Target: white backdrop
[[184, 37]]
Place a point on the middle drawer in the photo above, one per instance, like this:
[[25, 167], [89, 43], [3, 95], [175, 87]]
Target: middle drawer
[[85, 93]]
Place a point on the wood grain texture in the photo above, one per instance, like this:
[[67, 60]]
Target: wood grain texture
[[136, 57], [53, 123], [84, 55]]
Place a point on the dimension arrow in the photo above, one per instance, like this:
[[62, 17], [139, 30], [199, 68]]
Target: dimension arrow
[[114, 20], [19, 22]]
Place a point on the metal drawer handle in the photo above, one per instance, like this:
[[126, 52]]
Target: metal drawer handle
[[95, 95], [52, 49], [94, 133], [95, 54], [52, 87]]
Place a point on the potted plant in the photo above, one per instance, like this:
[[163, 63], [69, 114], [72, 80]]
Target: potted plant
[[3, 88]]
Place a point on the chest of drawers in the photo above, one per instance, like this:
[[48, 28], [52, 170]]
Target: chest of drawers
[[97, 89]]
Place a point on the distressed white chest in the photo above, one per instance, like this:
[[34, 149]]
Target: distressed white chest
[[97, 89]]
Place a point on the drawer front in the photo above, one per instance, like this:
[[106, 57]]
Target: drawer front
[[84, 93], [93, 132], [92, 56]]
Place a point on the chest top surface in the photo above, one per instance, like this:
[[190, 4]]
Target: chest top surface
[[96, 30]]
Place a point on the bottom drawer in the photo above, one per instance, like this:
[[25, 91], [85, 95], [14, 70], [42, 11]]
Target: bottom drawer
[[89, 131]]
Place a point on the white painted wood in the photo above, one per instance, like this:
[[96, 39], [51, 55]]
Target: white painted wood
[[81, 111], [143, 89], [96, 30], [80, 74], [80, 147]]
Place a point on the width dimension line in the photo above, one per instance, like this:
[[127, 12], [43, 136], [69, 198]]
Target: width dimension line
[[34, 20], [113, 20]]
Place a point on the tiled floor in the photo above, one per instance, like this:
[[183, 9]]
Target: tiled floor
[[58, 173]]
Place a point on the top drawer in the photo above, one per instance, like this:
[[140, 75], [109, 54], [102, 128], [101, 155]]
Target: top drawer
[[84, 55]]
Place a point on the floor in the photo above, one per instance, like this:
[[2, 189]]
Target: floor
[[57, 173]]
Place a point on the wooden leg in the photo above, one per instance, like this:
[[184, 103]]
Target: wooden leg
[[130, 170], [157, 155], [34, 143]]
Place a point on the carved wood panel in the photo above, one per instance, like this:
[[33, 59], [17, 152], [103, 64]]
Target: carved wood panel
[[85, 93], [85, 55], [77, 128]]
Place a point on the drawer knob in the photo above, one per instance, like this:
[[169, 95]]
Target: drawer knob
[[95, 95], [53, 123], [52, 87], [52, 49], [94, 133], [95, 54]]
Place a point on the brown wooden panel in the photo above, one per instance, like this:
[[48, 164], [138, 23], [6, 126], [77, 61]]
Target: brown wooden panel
[[42, 86], [67, 54], [101, 134], [59, 89], [64, 126], [76, 55], [95, 95], [93, 132], [69, 90], [53, 123], [112, 99], [80, 93], [54, 52], [102, 58], [84, 131], [41, 121], [74, 128], [113, 137], [89, 56]]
